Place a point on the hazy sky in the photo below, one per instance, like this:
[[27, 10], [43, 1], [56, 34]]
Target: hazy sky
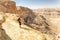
[[33, 4]]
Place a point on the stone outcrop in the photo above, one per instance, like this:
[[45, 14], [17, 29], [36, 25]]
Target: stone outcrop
[[3, 35], [8, 7], [13, 28], [26, 14], [23, 12], [23, 33], [20, 32]]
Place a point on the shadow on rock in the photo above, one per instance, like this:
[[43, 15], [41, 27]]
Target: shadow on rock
[[3, 35]]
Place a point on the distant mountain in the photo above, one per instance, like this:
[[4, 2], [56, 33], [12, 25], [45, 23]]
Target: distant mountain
[[47, 11]]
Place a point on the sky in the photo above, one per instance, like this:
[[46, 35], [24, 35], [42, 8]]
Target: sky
[[35, 4]]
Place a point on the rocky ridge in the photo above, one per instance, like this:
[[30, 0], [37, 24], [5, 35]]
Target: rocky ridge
[[28, 26], [20, 32]]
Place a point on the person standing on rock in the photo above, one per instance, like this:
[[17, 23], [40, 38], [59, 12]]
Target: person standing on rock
[[19, 20]]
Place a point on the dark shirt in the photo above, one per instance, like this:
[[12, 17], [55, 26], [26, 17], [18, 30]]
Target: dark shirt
[[19, 20]]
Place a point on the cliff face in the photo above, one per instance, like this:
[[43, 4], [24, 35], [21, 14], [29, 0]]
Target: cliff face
[[23, 12], [8, 7], [26, 14]]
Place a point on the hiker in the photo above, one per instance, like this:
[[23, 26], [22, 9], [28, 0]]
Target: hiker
[[19, 20]]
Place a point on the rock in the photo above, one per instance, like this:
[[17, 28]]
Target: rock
[[3, 35], [4, 0], [26, 14], [52, 18], [23, 12], [12, 30], [15, 32], [49, 37], [8, 7], [58, 36], [47, 11], [1, 18]]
